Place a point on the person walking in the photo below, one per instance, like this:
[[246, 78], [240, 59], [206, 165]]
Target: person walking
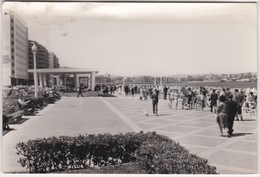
[[80, 91], [239, 98], [119, 90], [165, 90], [189, 94], [132, 91], [203, 98], [222, 115], [213, 101], [141, 94], [228, 93], [171, 98], [155, 100], [231, 112]]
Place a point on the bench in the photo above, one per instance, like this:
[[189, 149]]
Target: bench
[[14, 117], [11, 110]]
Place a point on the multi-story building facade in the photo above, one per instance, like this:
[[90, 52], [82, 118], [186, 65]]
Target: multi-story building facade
[[42, 58], [54, 61], [14, 49]]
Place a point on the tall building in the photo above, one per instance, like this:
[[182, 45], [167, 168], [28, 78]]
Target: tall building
[[42, 58], [54, 61], [14, 49]]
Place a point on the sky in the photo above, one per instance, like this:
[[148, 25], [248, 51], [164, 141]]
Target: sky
[[156, 39]]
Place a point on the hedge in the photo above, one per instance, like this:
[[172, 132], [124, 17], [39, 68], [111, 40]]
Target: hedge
[[170, 158], [150, 152]]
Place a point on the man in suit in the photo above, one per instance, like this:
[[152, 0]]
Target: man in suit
[[155, 100], [213, 101], [165, 90], [231, 111], [239, 98], [80, 91]]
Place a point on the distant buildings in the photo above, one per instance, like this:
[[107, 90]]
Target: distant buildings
[[42, 56], [17, 56], [54, 61], [14, 49]]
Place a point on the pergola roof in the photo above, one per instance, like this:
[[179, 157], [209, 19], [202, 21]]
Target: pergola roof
[[63, 71]]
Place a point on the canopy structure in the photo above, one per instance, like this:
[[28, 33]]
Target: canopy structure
[[63, 71], [77, 72]]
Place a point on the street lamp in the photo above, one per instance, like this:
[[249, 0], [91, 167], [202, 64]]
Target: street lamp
[[34, 50]]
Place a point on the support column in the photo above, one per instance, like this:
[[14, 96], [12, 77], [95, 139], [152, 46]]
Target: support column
[[58, 80], [93, 81], [65, 81], [75, 82], [44, 80], [89, 81], [52, 80], [40, 80]]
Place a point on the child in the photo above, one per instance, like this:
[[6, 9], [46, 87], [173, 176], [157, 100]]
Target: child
[[171, 98], [141, 95]]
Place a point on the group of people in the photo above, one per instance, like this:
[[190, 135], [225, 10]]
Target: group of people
[[105, 89], [23, 99], [229, 108], [226, 103]]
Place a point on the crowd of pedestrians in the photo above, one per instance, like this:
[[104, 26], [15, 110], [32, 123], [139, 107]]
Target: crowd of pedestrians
[[227, 103]]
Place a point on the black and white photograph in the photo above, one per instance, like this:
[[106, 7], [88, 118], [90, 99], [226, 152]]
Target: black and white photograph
[[129, 88]]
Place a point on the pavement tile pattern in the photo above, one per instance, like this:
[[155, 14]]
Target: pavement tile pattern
[[197, 131]]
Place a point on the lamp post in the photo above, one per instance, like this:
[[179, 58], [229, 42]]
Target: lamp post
[[34, 50]]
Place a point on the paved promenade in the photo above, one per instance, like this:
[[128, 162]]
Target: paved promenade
[[195, 130]]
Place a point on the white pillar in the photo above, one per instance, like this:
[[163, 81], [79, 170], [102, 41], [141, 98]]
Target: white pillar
[[44, 80], [65, 82], [93, 81], [35, 76], [40, 80], [89, 81], [58, 80]]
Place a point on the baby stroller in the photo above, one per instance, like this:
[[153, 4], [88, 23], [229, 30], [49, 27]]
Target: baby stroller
[[197, 102], [185, 104], [249, 108]]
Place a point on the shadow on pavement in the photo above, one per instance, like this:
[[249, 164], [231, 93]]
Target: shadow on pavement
[[22, 120], [7, 131], [241, 134], [109, 95], [249, 120], [165, 114]]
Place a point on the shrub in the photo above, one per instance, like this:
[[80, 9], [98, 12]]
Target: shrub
[[147, 152], [168, 157]]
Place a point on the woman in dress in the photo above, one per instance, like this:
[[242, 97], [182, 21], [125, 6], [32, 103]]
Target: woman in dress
[[222, 116]]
